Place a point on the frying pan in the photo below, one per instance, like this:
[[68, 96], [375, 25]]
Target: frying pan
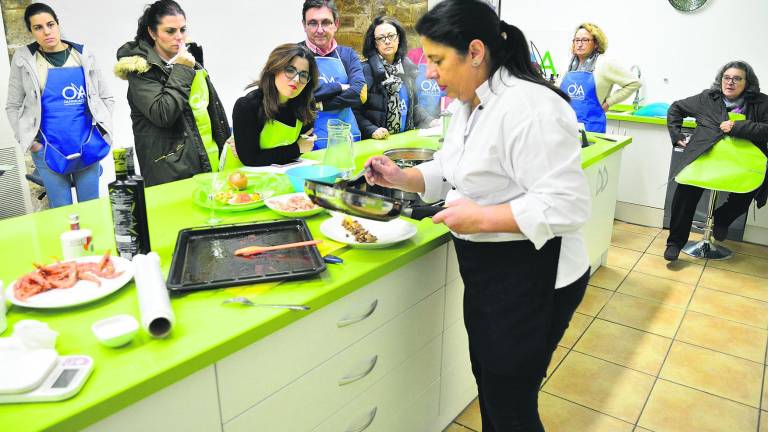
[[346, 199]]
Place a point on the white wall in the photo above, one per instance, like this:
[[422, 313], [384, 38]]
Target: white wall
[[679, 53]]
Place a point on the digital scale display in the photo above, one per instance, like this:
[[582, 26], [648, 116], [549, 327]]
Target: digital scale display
[[65, 378]]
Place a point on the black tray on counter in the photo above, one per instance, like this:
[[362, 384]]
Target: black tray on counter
[[204, 257]]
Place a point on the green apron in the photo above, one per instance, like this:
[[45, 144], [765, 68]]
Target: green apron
[[731, 165], [274, 134], [198, 101]]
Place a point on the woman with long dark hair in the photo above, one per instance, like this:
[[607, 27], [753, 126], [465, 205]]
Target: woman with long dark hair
[[392, 105], [516, 197], [179, 123], [273, 121], [60, 109]]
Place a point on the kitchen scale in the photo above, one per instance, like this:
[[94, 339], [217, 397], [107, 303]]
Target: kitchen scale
[[41, 376]]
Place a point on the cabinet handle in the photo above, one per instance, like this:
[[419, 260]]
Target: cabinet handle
[[350, 321], [350, 379], [371, 416]]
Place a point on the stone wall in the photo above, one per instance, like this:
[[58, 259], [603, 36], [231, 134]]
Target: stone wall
[[357, 15]]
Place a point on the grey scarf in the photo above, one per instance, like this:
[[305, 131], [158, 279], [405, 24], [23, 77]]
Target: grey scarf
[[734, 106], [392, 84], [587, 66]]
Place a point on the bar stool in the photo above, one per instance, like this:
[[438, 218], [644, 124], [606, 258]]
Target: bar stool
[[731, 165]]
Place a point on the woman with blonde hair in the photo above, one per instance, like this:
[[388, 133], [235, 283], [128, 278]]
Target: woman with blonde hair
[[591, 77]]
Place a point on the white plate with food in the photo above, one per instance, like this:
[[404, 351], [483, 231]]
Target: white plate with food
[[366, 233], [293, 205], [94, 278]]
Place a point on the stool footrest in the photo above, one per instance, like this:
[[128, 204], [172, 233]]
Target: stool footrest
[[706, 250]]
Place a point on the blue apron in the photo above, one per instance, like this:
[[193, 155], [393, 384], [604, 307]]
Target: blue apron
[[332, 70], [428, 93], [580, 86], [72, 141]]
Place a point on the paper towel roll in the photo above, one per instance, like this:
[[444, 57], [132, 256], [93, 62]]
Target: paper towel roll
[[154, 304]]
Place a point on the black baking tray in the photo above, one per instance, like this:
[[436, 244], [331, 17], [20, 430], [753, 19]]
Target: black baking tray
[[204, 257]]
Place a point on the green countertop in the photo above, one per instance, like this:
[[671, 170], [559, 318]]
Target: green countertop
[[624, 113], [205, 331]]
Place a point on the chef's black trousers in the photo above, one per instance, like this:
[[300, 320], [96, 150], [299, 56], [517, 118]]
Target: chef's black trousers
[[684, 203], [514, 318]]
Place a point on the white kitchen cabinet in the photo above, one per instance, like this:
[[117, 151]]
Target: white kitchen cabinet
[[603, 186], [756, 229]]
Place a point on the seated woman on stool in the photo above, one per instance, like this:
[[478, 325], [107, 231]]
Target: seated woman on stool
[[391, 105], [269, 120], [736, 89]]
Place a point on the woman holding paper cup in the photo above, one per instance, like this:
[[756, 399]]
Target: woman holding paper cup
[[179, 123], [273, 120]]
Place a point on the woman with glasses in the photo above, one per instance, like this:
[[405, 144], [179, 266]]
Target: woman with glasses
[[390, 75], [60, 109], [516, 197], [273, 121], [591, 77], [179, 123], [736, 89]]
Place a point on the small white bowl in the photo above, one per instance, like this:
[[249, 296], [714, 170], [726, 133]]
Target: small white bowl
[[115, 331]]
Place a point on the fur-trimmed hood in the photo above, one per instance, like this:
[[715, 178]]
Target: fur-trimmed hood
[[135, 57]]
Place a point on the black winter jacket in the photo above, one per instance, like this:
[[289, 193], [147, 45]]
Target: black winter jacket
[[373, 114], [709, 111]]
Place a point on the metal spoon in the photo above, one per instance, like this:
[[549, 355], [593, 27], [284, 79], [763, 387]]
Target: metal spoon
[[245, 301]]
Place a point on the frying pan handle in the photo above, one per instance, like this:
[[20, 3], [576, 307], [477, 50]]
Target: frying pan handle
[[422, 212]]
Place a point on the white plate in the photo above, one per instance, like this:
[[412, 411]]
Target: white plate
[[284, 198], [82, 292], [387, 233]]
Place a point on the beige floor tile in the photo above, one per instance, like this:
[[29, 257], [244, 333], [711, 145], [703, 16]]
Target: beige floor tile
[[470, 417], [639, 429], [729, 306], [622, 258], [626, 346], [658, 246], [600, 385], [557, 357], [455, 427], [677, 270], [764, 421], [673, 407], [594, 300], [608, 277], [579, 323], [735, 283], [724, 336], [658, 289], [629, 240], [744, 264], [745, 248], [713, 372], [765, 390], [643, 314], [560, 415], [637, 229]]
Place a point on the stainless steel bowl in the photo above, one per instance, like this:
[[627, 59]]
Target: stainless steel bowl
[[409, 157]]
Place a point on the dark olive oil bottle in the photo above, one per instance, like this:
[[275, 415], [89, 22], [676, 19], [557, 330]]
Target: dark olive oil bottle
[[129, 208]]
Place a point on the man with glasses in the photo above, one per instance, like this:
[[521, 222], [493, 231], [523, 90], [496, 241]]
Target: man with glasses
[[342, 84]]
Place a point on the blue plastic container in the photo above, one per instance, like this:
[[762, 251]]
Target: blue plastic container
[[322, 173], [657, 109]]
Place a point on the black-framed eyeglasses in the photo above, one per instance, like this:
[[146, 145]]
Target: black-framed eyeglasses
[[582, 41], [733, 79], [386, 38], [314, 25], [291, 73]]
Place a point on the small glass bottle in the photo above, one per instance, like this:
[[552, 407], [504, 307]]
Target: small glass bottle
[[76, 242]]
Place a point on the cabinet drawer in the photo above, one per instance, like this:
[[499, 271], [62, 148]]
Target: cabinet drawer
[[336, 382], [452, 271], [458, 386], [383, 403], [250, 375], [454, 302], [455, 347], [421, 415]]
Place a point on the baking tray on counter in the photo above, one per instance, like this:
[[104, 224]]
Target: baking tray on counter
[[204, 257]]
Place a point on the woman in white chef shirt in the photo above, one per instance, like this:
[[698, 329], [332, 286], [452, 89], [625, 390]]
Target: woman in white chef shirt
[[516, 197]]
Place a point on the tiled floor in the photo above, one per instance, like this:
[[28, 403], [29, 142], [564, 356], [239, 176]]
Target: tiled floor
[[661, 347]]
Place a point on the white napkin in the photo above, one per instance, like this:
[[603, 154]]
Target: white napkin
[[154, 304], [431, 132]]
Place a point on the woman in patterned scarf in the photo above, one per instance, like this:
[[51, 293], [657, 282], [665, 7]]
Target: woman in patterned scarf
[[391, 106]]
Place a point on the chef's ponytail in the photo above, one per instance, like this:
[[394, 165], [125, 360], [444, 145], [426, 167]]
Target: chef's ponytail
[[456, 23], [152, 16]]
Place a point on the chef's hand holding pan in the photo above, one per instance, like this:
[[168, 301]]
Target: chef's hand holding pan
[[462, 216], [383, 172]]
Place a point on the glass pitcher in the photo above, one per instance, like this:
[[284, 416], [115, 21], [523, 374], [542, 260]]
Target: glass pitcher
[[339, 153]]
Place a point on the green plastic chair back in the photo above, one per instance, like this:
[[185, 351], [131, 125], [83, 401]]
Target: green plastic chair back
[[731, 165]]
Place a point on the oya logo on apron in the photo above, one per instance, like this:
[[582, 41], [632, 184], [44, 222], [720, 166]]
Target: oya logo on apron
[[332, 71], [428, 92], [580, 86], [70, 136]]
